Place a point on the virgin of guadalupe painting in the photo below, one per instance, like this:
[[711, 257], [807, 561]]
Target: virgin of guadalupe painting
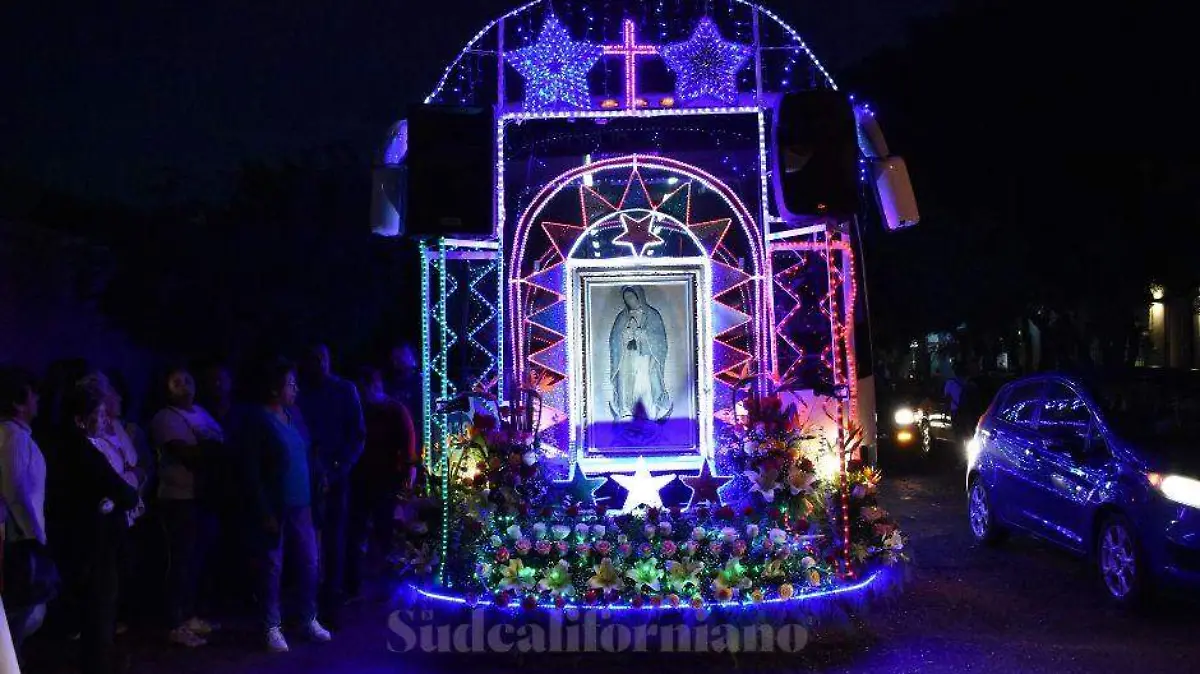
[[638, 348]]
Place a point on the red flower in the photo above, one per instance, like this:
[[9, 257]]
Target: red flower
[[652, 515], [656, 601], [725, 512], [748, 511], [800, 525], [502, 555], [637, 601], [573, 510], [560, 601], [702, 512], [502, 599], [546, 511], [676, 511], [601, 508], [529, 602], [592, 596]]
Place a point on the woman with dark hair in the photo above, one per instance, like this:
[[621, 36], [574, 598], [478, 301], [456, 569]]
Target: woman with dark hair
[[186, 438], [280, 467], [94, 502]]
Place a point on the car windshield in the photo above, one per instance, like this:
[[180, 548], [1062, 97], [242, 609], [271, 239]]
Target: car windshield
[[1160, 409]]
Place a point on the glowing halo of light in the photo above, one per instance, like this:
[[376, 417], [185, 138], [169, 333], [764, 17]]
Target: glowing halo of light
[[473, 45]]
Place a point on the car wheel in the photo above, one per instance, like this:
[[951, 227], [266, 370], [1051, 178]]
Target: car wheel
[[984, 526], [1119, 560]]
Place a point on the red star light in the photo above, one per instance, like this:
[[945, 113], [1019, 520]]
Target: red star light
[[637, 234]]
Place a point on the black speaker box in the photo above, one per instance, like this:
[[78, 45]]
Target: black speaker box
[[451, 161], [816, 154]]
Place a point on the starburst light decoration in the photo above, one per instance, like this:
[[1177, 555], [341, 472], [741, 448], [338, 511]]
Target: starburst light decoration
[[642, 486]]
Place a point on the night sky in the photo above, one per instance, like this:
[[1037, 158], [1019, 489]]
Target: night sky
[[105, 101]]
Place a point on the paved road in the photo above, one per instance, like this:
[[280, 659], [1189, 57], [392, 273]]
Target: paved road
[[1023, 608]]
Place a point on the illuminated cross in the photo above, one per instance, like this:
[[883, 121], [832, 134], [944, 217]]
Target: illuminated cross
[[630, 50]]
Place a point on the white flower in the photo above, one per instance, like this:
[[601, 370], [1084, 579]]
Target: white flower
[[751, 531], [650, 530], [894, 541], [664, 528], [778, 536], [764, 482], [581, 530], [513, 532], [807, 563], [483, 570], [598, 530], [622, 539], [559, 531], [496, 541], [729, 534], [698, 534], [539, 530], [750, 446], [529, 458]]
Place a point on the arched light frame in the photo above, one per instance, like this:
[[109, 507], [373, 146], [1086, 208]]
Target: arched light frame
[[759, 311], [472, 45]]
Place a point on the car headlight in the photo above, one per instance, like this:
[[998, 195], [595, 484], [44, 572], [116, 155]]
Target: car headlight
[[904, 417], [1177, 488]]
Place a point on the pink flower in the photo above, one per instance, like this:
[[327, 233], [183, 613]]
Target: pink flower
[[543, 547], [563, 547], [523, 546], [716, 547], [768, 545], [603, 547], [625, 549], [691, 547], [739, 548], [644, 550], [502, 555], [583, 549], [669, 548]]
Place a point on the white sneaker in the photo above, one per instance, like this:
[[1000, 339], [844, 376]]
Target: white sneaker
[[184, 637], [275, 641], [316, 632]]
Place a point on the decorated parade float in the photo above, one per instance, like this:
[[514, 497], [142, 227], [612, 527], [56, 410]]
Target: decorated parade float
[[640, 370]]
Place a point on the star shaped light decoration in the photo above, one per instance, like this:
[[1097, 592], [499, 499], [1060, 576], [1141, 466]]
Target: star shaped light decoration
[[555, 68], [705, 486], [638, 234], [706, 65], [642, 486], [580, 489]]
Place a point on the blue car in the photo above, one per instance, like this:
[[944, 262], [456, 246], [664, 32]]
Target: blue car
[[1107, 466]]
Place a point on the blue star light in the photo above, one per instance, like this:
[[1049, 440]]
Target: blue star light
[[580, 489], [555, 68], [706, 65]]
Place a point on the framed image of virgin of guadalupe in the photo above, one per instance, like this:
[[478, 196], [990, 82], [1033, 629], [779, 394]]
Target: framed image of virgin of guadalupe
[[637, 341]]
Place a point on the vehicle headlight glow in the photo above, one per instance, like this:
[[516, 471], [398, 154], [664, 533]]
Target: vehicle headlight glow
[[972, 450], [1180, 489], [904, 417]]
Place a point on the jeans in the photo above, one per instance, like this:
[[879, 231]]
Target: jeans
[[190, 532], [297, 536], [371, 507], [333, 546], [98, 594]]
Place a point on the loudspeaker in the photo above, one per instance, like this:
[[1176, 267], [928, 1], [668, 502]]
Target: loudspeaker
[[450, 169], [816, 155], [896, 198]]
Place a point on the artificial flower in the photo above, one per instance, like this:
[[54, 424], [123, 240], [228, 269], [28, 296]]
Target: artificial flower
[[669, 548], [603, 547], [496, 541], [583, 549], [814, 577], [608, 577], [682, 575], [733, 575], [539, 530], [502, 555], [773, 568], [778, 536], [723, 594], [644, 550], [690, 548], [664, 528], [624, 548], [483, 570], [622, 539], [556, 579], [698, 534], [738, 549], [765, 482], [516, 576], [800, 482], [523, 546], [894, 541], [581, 531], [598, 530], [513, 532], [650, 530], [756, 595], [543, 547], [807, 563], [729, 534], [673, 599], [560, 531], [716, 547], [786, 591], [645, 574], [873, 513], [751, 531], [563, 547]]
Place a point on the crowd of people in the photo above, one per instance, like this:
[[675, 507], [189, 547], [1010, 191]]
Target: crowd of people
[[105, 517]]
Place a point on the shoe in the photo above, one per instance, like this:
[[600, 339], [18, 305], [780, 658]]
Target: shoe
[[316, 632], [184, 637], [201, 626], [275, 641]]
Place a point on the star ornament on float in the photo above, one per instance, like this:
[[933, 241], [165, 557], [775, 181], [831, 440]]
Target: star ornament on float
[[705, 486], [580, 488], [638, 234], [643, 487], [706, 65], [555, 68]]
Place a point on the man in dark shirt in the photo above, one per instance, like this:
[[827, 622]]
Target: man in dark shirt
[[334, 417]]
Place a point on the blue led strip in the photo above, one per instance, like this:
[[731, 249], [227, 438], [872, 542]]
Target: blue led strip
[[478, 274], [801, 598]]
